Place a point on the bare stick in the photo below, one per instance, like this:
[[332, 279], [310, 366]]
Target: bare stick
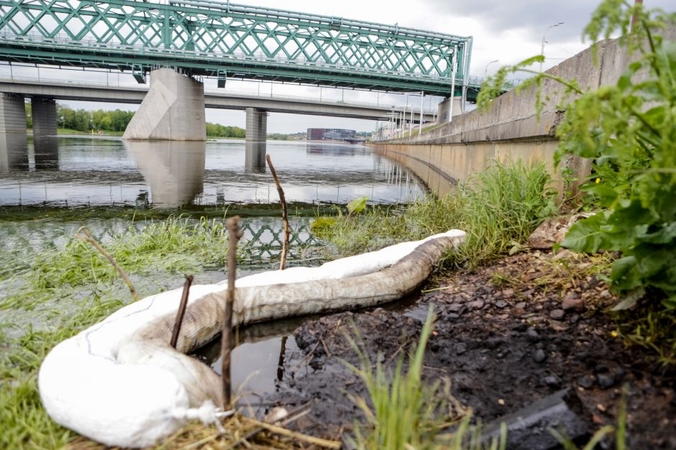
[[285, 217], [181, 311], [89, 238], [228, 336], [299, 436]]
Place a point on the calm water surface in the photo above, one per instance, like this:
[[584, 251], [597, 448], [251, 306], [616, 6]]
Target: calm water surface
[[100, 171]]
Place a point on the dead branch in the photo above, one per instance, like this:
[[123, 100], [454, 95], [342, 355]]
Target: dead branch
[[285, 217], [228, 336], [181, 311], [89, 238]]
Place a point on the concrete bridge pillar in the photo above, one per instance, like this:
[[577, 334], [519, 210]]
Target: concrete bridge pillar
[[13, 139], [173, 109], [256, 135], [44, 133], [444, 110]]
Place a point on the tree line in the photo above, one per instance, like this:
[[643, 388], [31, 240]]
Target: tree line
[[115, 121]]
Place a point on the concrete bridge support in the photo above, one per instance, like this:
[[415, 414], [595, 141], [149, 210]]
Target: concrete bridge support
[[173, 109], [256, 135], [444, 109], [13, 139], [44, 133]]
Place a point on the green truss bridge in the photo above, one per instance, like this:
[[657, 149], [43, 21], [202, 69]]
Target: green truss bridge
[[223, 40]]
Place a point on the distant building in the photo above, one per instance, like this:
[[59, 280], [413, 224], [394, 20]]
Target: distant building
[[330, 134]]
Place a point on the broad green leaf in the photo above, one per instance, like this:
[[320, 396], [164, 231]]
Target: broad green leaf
[[357, 205], [585, 235]]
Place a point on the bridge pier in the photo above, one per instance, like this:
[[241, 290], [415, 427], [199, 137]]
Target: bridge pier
[[444, 109], [256, 135], [173, 110], [44, 133], [13, 139]]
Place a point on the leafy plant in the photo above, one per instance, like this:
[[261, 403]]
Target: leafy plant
[[629, 130]]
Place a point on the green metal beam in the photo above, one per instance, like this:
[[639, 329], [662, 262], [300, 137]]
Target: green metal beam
[[207, 38]]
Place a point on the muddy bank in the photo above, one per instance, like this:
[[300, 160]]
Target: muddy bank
[[516, 331]]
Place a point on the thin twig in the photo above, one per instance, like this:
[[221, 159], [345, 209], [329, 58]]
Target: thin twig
[[181, 311], [299, 436], [89, 238], [228, 336], [285, 217], [290, 416]]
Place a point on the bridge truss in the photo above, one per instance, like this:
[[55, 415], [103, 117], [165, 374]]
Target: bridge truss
[[216, 39]]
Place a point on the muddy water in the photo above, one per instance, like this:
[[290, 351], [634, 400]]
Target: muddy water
[[107, 172]]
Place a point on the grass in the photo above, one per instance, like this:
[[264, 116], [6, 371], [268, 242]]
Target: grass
[[403, 412], [498, 208]]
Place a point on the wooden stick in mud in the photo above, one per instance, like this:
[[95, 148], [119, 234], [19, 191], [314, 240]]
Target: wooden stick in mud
[[228, 336], [181, 311], [89, 238], [285, 217]]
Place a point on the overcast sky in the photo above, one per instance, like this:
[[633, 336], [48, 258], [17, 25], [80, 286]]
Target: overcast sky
[[505, 31]]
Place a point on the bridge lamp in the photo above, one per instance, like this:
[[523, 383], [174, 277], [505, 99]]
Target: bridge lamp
[[486, 69], [542, 49]]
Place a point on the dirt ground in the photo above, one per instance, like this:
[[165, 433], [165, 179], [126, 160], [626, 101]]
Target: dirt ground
[[507, 335]]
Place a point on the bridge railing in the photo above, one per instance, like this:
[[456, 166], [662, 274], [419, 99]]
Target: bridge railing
[[60, 43]]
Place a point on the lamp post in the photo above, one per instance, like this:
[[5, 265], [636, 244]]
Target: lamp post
[[542, 49], [486, 69]]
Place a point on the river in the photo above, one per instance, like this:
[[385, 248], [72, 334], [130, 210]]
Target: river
[[103, 171]]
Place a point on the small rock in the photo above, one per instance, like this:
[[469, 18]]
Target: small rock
[[460, 348], [552, 381], [605, 380], [572, 302], [574, 319], [557, 314], [539, 355], [520, 305], [501, 304], [532, 334], [508, 292], [585, 382], [477, 304], [452, 317], [456, 308]]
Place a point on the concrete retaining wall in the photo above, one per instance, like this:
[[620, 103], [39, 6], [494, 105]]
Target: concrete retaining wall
[[511, 130]]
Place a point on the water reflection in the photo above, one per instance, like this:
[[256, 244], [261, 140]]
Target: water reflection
[[174, 170], [13, 152], [254, 155], [334, 150], [46, 153], [100, 170]]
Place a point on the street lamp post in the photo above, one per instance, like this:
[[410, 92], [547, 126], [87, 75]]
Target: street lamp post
[[542, 49], [486, 69]]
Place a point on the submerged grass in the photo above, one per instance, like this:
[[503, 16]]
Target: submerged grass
[[498, 208]]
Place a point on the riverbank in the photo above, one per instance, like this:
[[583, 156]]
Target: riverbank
[[515, 331]]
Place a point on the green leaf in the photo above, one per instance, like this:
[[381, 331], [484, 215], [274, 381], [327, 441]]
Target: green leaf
[[586, 235], [357, 205]]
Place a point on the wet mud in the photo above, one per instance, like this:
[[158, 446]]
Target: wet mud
[[506, 336]]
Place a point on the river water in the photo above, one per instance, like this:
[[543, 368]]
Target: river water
[[102, 171], [92, 172]]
